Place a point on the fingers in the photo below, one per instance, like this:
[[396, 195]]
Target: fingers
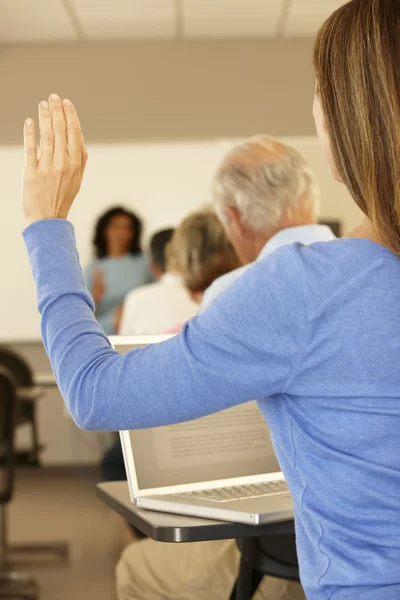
[[61, 140], [30, 144], [46, 135], [60, 131], [74, 132]]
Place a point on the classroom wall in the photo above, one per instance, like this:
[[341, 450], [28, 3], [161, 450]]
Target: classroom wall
[[162, 181], [141, 91]]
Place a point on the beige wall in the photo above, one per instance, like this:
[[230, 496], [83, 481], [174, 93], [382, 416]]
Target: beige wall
[[164, 90]]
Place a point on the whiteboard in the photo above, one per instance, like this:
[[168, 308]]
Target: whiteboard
[[161, 181]]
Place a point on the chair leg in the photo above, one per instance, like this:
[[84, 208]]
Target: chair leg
[[244, 583], [34, 436], [248, 579], [13, 584], [3, 537]]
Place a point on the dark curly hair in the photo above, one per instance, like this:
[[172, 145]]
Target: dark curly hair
[[158, 247], [99, 239]]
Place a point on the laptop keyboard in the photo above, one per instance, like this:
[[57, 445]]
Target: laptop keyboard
[[238, 492]]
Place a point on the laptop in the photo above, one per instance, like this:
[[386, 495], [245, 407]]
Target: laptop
[[221, 467]]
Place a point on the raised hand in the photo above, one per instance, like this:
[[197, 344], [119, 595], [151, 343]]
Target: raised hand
[[53, 177]]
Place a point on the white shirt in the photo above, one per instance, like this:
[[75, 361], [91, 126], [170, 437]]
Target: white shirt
[[305, 234], [157, 308]]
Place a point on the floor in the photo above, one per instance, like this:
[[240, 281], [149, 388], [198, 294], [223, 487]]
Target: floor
[[56, 508]]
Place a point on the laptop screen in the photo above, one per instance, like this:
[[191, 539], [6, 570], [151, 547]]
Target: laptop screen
[[232, 443]]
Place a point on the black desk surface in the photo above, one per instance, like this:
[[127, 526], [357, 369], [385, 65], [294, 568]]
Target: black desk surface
[[165, 527]]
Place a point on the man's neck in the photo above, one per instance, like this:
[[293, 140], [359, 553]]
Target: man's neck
[[261, 239]]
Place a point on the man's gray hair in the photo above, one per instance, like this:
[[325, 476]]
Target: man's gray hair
[[263, 179]]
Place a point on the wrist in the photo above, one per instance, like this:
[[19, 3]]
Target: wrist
[[30, 220]]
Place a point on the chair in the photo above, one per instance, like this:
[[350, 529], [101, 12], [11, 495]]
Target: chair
[[28, 395], [273, 555], [12, 584]]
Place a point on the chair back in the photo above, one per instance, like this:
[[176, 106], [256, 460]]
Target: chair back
[[277, 556], [8, 407], [273, 555], [17, 366]]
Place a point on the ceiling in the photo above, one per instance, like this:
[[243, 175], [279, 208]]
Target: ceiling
[[86, 20]]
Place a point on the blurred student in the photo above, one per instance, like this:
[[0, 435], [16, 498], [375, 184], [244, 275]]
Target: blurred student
[[156, 307], [200, 252], [266, 196], [119, 266]]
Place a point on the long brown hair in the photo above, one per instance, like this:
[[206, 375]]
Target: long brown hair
[[357, 66]]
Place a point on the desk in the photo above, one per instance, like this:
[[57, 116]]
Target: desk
[[30, 394], [165, 527], [46, 380]]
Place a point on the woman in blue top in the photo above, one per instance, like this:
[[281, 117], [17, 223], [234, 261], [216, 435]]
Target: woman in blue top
[[313, 332], [119, 267]]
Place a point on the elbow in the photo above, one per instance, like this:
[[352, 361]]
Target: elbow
[[84, 422], [83, 413], [89, 417], [83, 401]]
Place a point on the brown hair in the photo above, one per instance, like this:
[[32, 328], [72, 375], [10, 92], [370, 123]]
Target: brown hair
[[357, 65], [200, 251]]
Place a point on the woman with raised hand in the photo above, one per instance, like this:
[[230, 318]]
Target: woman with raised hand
[[313, 332]]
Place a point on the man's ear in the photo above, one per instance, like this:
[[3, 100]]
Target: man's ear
[[234, 220]]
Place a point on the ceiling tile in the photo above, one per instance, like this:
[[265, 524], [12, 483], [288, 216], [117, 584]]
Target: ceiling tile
[[306, 16], [233, 18], [28, 21], [126, 19]]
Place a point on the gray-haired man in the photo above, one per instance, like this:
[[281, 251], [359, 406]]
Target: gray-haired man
[[266, 196]]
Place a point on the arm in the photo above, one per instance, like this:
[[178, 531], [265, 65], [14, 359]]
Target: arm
[[245, 346]]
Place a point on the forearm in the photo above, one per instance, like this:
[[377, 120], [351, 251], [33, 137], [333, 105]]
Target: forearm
[[102, 389]]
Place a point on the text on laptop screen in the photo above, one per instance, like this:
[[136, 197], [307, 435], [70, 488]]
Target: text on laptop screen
[[232, 443]]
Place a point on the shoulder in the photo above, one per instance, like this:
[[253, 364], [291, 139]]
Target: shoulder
[[220, 285], [141, 264], [324, 269], [139, 259], [141, 293]]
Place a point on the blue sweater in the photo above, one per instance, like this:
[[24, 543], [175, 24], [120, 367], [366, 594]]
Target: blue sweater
[[314, 333]]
